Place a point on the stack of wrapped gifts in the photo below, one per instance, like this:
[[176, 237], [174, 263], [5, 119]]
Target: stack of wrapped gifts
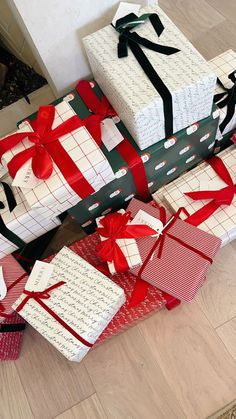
[[131, 154]]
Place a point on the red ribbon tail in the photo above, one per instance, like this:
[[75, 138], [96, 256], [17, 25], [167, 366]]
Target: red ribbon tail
[[93, 126], [11, 141], [202, 214], [139, 293]]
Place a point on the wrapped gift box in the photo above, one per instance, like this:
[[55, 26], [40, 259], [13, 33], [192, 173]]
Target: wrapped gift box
[[163, 162], [127, 316], [54, 192], [27, 224], [86, 302], [11, 324], [11, 337], [186, 74], [222, 223], [128, 247], [223, 65], [179, 264]]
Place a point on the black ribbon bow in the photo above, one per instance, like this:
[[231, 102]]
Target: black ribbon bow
[[134, 41], [227, 98], [8, 234]]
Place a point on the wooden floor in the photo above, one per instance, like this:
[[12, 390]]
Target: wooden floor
[[175, 365]]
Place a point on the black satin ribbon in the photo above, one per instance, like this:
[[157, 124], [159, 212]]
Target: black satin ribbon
[[227, 98], [133, 40], [11, 202], [16, 327]]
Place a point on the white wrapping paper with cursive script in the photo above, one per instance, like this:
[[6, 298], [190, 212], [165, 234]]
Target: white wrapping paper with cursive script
[[187, 75], [86, 302]]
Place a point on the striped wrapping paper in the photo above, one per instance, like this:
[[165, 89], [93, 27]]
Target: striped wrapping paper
[[179, 272], [10, 342]]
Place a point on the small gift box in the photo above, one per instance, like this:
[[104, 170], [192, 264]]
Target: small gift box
[[20, 224], [224, 65], [208, 195], [11, 337], [12, 283], [129, 314], [176, 262], [58, 163], [157, 90], [118, 244], [74, 308]]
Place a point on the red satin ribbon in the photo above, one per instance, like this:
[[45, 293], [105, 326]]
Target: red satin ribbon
[[46, 149], [220, 197], [12, 285], [115, 226], [39, 296], [141, 287], [102, 109]]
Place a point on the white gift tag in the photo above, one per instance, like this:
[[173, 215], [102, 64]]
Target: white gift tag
[[3, 287], [124, 9], [111, 136], [25, 177], [40, 276], [211, 185], [143, 217]]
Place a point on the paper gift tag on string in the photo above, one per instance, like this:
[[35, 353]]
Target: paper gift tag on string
[[111, 136], [40, 276], [25, 177], [3, 287], [124, 9], [143, 217]]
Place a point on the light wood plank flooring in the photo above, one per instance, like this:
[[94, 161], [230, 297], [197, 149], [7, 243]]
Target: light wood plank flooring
[[179, 364]]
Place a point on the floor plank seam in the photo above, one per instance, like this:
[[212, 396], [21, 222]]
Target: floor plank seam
[[74, 405]]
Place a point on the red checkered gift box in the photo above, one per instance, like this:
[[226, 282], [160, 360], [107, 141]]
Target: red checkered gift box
[[178, 261], [11, 324], [127, 316]]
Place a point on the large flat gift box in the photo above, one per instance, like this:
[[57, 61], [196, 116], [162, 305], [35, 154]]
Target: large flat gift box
[[184, 82], [11, 324], [222, 222], [177, 262], [22, 224], [81, 303], [224, 65], [127, 316], [54, 192], [163, 162]]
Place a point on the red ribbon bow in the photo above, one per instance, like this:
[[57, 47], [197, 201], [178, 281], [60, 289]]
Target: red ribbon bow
[[39, 296], [115, 226], [220, 197], [141, 287], [102, 109], [46, 149]]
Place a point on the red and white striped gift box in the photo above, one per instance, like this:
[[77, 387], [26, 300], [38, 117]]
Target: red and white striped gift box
[[179, 271], [26, 223], [54, 192]]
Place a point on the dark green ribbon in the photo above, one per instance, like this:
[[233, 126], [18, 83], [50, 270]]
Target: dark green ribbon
[[227, 98], [8, 234], [134, 41]]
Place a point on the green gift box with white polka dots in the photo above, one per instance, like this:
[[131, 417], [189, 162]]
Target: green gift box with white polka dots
[[163, 161]]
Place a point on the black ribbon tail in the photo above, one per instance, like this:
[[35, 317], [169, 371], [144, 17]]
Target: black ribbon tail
[[9, 235], [9, 196], [162, 49], [159, 85], [156, 23], [229, 115], [6, 328]]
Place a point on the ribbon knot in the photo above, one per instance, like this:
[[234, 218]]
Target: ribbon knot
[[217, 198], [115, 226], [135, 41], [101, 109], [48, 149], [227, 98]]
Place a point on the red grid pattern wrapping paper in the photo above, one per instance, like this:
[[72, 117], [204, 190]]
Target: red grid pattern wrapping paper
[[179, 271], [126, 317], [10, 342]]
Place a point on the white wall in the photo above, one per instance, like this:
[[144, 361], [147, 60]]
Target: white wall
[[55, 28]]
